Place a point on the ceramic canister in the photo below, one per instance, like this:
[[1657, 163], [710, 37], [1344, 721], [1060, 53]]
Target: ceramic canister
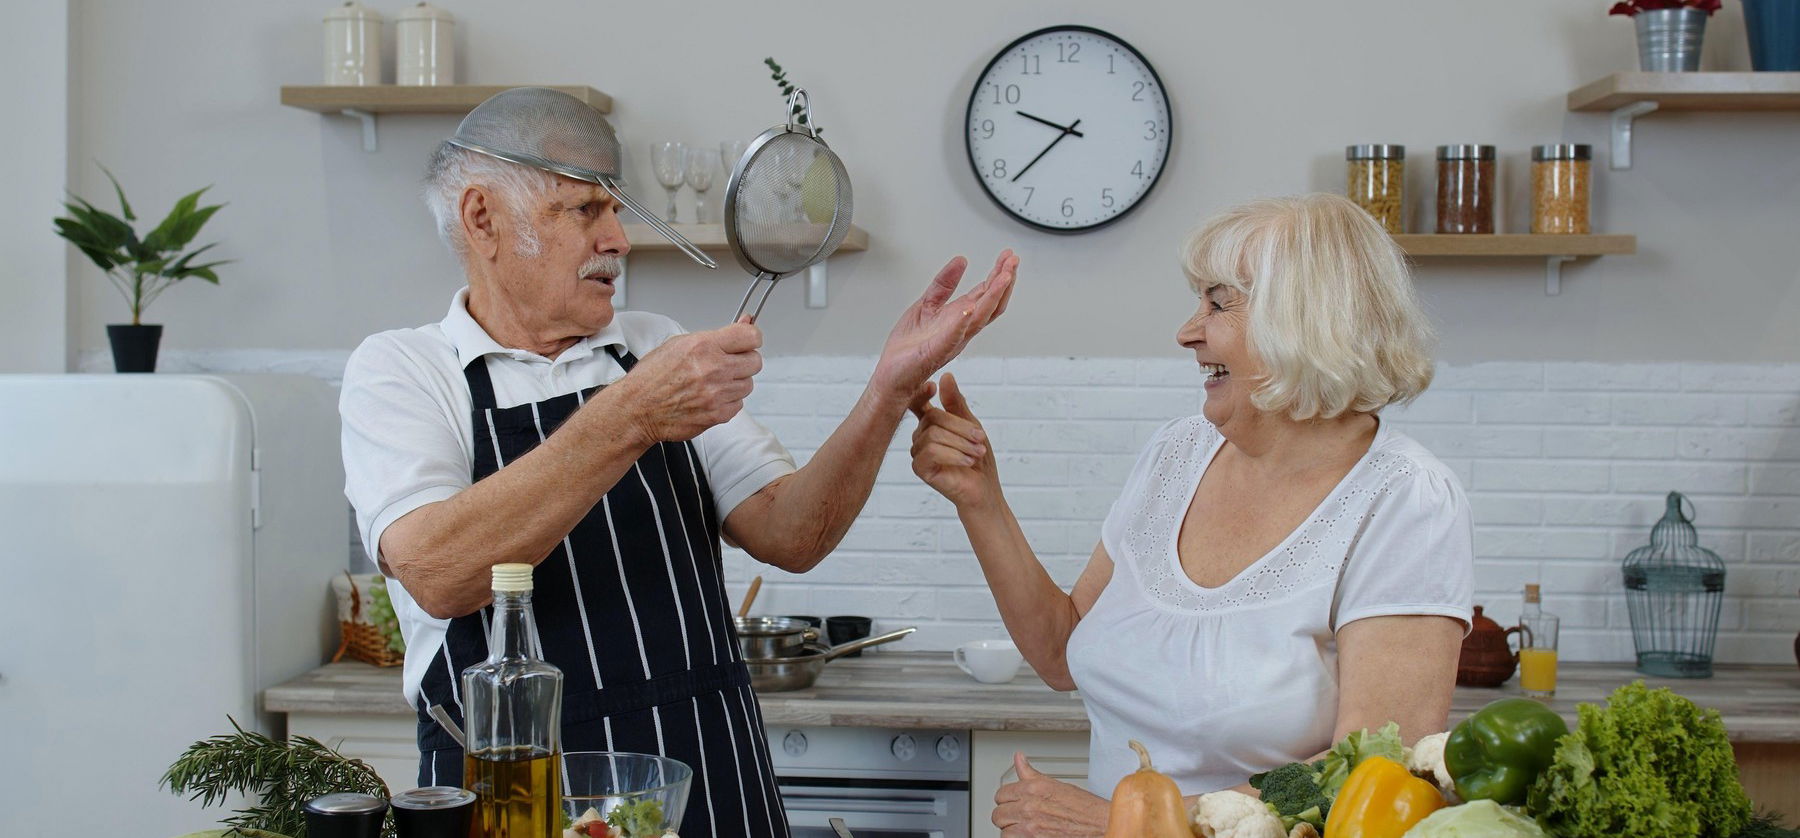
[[352, 45], [426, 55]]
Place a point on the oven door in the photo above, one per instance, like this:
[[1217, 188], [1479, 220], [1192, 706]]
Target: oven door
[[876, 808]]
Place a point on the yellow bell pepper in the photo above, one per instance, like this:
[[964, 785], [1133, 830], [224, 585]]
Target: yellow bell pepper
[[1381, 799]]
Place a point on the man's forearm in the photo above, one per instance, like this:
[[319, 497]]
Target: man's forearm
[[442, 551], [802, 520]]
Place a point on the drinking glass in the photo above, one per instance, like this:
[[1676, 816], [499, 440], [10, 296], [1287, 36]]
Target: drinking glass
[[730, 152], [700, 178], [670, 162]]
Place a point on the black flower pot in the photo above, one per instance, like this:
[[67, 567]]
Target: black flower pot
[[134, 347]]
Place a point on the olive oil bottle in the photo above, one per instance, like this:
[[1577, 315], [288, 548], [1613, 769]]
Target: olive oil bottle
[[512, 703]]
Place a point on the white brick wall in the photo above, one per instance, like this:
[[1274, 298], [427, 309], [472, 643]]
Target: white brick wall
[[1566, 465]]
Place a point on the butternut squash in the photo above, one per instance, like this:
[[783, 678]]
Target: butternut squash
[[1146, 804]]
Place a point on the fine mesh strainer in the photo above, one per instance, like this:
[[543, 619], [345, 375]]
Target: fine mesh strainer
[[558, 133], [787, 205]]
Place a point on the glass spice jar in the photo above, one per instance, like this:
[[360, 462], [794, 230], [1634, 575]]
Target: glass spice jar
[[1560, 182], [1465, 189], [1375, 181]]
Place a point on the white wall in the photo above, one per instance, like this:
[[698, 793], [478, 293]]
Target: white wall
[[332, 244], [34, 290]]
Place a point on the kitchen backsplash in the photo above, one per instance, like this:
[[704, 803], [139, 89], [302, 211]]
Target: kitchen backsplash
[[1566, 466]]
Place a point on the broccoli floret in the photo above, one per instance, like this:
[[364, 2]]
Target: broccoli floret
[[1293, 790]]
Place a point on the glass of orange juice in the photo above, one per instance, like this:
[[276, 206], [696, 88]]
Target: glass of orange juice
[[1537, 660]]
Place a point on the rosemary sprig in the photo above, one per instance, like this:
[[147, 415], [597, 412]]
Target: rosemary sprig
[[283, 775]]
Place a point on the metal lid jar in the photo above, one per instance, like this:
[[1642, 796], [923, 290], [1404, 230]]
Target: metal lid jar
[[424, 37], [1561, 188], [1375, 181], [1465, 189], [352, 45]]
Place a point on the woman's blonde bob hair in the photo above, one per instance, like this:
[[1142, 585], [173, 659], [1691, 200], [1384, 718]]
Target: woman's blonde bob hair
[[1332, 312]]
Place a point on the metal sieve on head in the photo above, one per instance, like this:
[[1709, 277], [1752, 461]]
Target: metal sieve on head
[[557, 133], [787, 205]]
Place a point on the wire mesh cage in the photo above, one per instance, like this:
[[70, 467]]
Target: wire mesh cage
[[1673, 590]]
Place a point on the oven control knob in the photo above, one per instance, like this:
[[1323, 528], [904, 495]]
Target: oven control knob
[[904, 747], [949, 748], [794, 743]]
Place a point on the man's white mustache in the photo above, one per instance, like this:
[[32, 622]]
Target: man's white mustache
[[603, 264]]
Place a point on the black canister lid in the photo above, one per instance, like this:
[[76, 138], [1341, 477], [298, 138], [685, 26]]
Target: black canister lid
[[347, 803], [433, 797], [1561, 151], [1465, 152], [1375, 151]]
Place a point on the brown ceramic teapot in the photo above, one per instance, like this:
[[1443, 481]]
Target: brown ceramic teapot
[[1487, 659]]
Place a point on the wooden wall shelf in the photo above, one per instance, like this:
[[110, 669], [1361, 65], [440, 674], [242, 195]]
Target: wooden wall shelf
[[1691, 92], [391, 98], [366, 102], [711, 238], [1631, 95], [1553, 249], [1515, 244]]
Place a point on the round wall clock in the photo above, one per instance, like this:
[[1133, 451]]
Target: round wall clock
[[1068, 129]]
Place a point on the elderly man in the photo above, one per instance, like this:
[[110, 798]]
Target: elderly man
[[534, 423]]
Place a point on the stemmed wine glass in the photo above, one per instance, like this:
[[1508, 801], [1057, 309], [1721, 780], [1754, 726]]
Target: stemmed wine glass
[[700, 177], [670, 162]]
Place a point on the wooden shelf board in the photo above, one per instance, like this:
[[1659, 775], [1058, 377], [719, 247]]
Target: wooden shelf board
[[391, 98], [711, 238], [1515, 244], [1691, 92]]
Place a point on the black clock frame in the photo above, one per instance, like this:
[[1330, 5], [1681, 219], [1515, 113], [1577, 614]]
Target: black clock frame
[[968, 130]]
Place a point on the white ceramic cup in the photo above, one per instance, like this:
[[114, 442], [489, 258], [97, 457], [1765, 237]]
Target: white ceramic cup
[[988, 661]]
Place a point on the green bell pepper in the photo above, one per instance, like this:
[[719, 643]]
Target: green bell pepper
[[1498, 752]]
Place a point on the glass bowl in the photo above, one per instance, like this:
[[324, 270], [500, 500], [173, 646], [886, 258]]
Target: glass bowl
[[595, 783]]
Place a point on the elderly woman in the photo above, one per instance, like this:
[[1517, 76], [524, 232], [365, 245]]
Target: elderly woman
[[1279, 571]]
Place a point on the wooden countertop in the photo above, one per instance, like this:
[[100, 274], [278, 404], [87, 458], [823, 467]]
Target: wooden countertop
[[924, 689]]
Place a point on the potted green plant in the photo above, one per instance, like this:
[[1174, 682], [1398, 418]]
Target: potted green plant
[[1669, 32], [141, 268]]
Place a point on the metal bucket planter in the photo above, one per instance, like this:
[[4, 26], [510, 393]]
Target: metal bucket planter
[[1669, 39]]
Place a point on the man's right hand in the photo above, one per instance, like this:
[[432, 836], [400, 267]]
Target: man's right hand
[[692, 382]]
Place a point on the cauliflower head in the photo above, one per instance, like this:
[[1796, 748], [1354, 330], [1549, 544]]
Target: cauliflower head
[[1231, 814]]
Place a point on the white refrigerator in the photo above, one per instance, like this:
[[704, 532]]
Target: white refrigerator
[[169, 543]]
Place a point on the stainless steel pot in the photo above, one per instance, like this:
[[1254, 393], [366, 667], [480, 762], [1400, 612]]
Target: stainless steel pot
[[773, 637], [798, 672]]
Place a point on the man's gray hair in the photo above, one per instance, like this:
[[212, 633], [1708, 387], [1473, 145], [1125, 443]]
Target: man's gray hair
[[453, 170]]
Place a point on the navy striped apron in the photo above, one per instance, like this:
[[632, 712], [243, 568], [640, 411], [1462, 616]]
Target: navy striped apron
[[631, 606]]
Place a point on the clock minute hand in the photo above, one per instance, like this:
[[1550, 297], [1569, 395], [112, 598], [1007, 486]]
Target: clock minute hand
[[1040, 155], [1067, 129]]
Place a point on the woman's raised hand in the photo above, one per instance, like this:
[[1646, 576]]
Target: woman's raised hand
[[950, 449]]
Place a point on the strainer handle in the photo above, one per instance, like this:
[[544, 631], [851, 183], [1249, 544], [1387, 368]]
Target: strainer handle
[[800, 113], [764, 281], [657, 224]]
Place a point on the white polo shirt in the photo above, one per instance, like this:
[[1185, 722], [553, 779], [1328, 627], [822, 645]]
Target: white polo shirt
[[407, 437]]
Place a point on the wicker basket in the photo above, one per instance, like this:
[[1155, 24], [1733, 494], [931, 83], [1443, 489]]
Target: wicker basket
[[363, 640]]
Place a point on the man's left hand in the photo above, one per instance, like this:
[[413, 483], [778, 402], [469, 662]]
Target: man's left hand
[[936, 328], [1038, 806]]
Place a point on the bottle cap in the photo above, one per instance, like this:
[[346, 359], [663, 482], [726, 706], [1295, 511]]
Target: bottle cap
[[513, 578], [1531, 593]]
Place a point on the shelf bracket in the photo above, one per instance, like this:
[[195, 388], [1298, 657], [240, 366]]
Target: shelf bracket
[[815, 285], [1622, 119], [1553, 274], [368, 126], [618, 298]]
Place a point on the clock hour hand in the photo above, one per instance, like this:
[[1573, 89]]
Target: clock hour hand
[[1066, 129], [1040, 155]]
